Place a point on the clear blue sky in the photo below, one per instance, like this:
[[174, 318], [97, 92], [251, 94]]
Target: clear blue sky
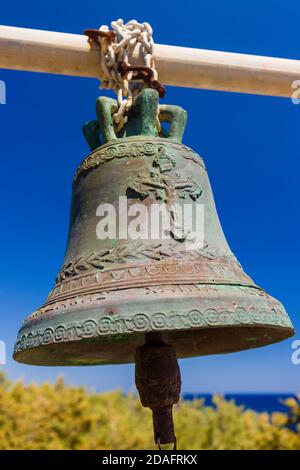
[[250, 145]]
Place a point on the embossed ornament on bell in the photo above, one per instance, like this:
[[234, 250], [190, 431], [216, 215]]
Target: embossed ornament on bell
[[110, 293]]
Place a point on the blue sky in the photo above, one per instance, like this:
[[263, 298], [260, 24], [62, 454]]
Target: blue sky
[[250, 145]]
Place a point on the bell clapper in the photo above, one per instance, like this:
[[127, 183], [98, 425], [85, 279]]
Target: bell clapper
[[157, 378]]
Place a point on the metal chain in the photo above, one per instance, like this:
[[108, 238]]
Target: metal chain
[[116, 73]]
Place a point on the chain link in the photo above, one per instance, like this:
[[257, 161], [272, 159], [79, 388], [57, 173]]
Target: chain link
[[116, 47]]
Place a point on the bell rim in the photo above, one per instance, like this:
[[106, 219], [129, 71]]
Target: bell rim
[[60, 338], [25, 356]]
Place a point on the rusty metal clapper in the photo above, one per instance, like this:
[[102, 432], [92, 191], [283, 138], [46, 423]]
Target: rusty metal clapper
[[146, 301]]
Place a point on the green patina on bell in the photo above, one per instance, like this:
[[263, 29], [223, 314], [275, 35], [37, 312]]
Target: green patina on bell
[[110, 293]]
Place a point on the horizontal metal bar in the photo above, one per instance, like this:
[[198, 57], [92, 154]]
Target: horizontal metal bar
[[72, 54]]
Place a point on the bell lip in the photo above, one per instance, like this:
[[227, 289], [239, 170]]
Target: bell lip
[[45, 355], [215, 319]]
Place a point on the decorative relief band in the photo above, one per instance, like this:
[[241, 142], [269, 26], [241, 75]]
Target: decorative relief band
[[138, 251], [224, 271], [142, 322], [88, 299], [134, 148]]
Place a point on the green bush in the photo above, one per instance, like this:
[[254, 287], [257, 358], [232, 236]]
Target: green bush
[[58, 416]]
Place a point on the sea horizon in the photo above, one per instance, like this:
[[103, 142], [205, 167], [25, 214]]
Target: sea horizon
[[257, 401]]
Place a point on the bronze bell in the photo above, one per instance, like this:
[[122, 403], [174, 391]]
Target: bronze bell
[[111, 294]]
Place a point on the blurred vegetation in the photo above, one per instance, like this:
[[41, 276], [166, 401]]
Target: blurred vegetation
[[59, 416]]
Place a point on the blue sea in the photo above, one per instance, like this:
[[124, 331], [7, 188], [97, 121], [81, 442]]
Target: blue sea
[[255, 401]]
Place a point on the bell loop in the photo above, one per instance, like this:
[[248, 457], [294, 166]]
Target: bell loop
[[141, 120]]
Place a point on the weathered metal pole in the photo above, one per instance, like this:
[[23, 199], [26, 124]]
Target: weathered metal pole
[[71, 54]]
